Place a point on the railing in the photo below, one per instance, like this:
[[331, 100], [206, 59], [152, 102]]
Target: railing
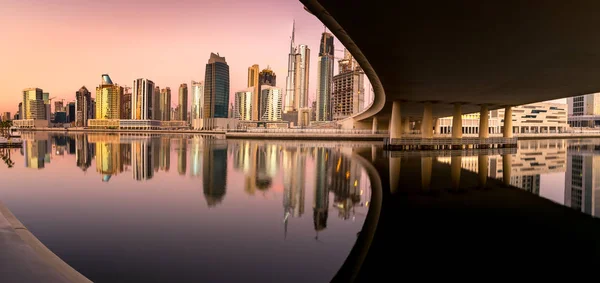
[[439, 141], [309, 131]]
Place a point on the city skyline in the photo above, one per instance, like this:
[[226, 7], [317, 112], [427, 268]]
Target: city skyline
[[125, 62]]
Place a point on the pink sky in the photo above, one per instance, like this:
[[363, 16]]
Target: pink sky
[[60, 45]]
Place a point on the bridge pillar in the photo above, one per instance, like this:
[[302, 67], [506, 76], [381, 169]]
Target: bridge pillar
[[484, 122], [375, 125], [406, 126], [457, 122], [483, 170], [508, 130], [455, 171], [426, 166], [427, 122], [506, 166], [396, 121], [394, 174]]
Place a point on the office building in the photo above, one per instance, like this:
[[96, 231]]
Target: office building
[[33, 107], [253, 84], [183, 102], [108, 99], [142, 100], [265, 77], [325, 78], [165, 104], [71, 108], [83, 107], [348, 94], [292, 84], [47, 105], [216, 87], [197, 104], [243, 105], [59, 106], [272, 99], [126, 103], [6, 116]]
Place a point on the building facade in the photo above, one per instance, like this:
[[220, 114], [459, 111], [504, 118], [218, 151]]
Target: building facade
[[243, 105], [325, 78], [584, 110], [253, 76], [216, 87], [126, 103], [265, 77], [6, 116], [142, 100], [296, 95], [302, 75], [527, 119], [33, 106], [108, 99], [83, 107], [272, 100], [348, 95], [183, 102], [165, 104], [197, 103]]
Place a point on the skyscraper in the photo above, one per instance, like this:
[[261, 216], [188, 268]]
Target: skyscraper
[[324, 77], [348, 95], [244, 104], [47, 105], [291, 82], [71, 112], [33, 106], [265, 77], [183, 102], [165, 104], [272, 98], [142, 100], [197, 103], [108, 99], [126, 103], [254, 84], [296, 96], [216, 88], [83, 107]]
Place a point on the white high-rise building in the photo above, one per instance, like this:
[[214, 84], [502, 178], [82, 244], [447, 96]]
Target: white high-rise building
[[197, 104], [272, 98], [243, 104], [296, 96]]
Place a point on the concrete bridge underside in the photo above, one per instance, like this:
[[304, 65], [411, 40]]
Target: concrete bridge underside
[[467, 52]]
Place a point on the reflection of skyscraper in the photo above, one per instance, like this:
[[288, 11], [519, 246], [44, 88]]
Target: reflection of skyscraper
[[582, 183], [182, 156], [214, 178], [530, 183], [165, 154], [196, 152], [142, 162], [35, 153], [83, 153], [294, 163], [321, 202], [345, 183], [108, 159]]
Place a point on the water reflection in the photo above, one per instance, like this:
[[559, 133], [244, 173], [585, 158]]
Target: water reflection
[[286, 178]]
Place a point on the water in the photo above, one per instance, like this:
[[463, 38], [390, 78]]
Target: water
[[173, 208]]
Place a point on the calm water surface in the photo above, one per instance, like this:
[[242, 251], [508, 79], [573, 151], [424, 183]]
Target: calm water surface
[[124, 208]]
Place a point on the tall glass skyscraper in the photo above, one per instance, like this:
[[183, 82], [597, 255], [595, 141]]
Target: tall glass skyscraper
[[183, 102], [83, 107], [33, 106], [296, 95], [165, 104], [108, 99], [254, 84], [216, 88], [197, 99], [324, 77], [142, 100]]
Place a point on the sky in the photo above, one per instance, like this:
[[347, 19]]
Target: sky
[[61, 45]]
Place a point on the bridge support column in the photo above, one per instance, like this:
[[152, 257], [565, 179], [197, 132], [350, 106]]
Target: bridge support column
[[426, 165], [457, 122], [483, 170], [508, 130], [484, 122], [506, 167], [406, 126], [396, 121], [375, 125], [427, 122], [455, 171], [394, 174]]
